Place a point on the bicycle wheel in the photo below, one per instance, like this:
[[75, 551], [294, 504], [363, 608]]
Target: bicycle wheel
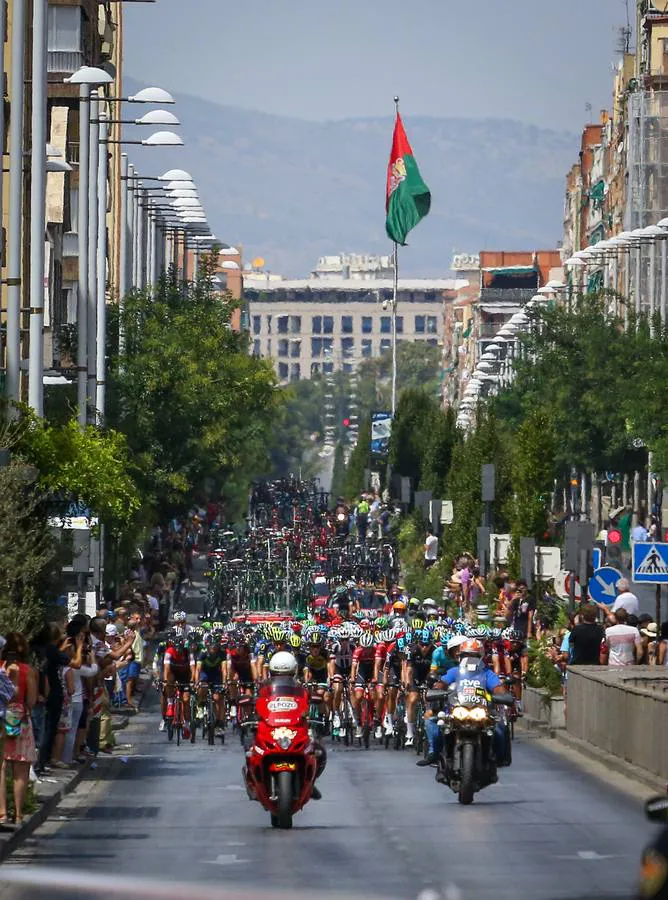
[[170, 729]]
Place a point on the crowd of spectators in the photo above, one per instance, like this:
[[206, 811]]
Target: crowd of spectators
[[57, 691]]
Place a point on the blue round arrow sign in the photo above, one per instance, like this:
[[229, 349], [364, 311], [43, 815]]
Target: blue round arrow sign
[[602, 585]]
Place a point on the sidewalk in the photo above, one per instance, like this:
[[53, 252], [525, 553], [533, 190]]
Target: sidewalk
[[52, 788]]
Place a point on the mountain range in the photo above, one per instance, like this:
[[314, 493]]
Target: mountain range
[[291, 190]]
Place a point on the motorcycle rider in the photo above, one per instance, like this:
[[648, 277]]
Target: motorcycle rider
[[473, 650], [283, 667]]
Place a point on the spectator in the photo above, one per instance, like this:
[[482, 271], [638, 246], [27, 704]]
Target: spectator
[[622, 642], [662, 657], [586, 638], [19, 749], [135, 664], [362, 518], [639, 533], [522, 609], [430, 549], [54, 660], [648, 651], [625, 599], [76, 734]]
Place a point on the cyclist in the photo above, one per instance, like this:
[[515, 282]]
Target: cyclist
[[365, 670], [339, 667], [238, 670], [181, 626], [315, 672], [210, 675], [392, 672], [344, 603], [279, 644], [416, 672], [443, 658], [178, 668], [399, 614]]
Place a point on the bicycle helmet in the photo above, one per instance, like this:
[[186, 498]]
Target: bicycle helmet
[[295, 641], [180, 616], [413, 603], [424, 636], [418, 624], [399, 606], [366, 640], [316, 639], [382, 623]]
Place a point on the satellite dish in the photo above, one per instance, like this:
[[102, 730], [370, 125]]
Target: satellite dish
[[258, 262]]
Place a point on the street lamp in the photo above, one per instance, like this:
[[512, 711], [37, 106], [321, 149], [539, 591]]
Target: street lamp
[[86, 77]]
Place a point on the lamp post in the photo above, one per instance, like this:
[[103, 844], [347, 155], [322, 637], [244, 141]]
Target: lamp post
[[101, 317], [84, 77], [14, 259]]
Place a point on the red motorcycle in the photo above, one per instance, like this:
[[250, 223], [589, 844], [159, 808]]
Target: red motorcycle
[[282, 763]]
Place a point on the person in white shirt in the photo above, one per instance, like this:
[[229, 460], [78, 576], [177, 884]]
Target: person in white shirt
[[430, 549], [639, 534], [623, 643], [625, 598]]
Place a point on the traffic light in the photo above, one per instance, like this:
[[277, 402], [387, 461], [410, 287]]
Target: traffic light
[[613, 547], [346, 423]]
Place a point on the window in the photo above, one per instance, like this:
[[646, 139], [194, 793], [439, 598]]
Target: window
[[64, 29], [347, 347], [400, 324], [366, 348], [348, 368], [256, 348], [327, 345], [282, 371], [316, 346], [386, 324], [257, 324], [295, 372], [316, 324], [346, 324], [328, 325], [282, 324], [268, 324], [327, 368], [432, 322], [295, 349], [283, 347], [419, 324], [367, 325], [385, 345], [295, 324], [315, 368]]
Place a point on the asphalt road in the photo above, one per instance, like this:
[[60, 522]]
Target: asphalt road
[[383, 827]]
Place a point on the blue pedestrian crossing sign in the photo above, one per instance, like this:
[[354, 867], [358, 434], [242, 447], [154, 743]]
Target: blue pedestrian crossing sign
[[601, 585], [650, 562], [596, 558]]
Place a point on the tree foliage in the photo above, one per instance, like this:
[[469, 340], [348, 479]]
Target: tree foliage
[[195, 407]]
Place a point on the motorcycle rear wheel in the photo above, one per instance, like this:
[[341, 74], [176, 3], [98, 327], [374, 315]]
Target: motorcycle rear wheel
[[466, 790], [284, 792]]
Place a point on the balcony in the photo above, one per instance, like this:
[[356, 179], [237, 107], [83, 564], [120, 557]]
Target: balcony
[[511, 296], [64, 62]]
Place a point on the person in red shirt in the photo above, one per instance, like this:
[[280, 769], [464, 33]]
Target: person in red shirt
[[367, 662]]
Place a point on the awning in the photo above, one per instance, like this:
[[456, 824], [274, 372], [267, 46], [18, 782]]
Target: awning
[[511, 270]]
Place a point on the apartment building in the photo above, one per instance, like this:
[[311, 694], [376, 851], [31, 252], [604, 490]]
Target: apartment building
[[314, 326]]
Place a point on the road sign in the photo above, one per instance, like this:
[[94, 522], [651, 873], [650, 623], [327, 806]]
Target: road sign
[[548, 562], [562, 584], [649, 563], [577, 591], [602, 585], [596, 558], [447, 513]]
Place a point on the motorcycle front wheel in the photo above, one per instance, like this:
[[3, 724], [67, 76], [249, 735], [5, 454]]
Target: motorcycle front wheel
[[467, 771], [284, 793]]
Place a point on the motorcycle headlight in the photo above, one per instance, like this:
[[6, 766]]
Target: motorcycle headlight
[[340, 517], [460, 712], [479, 714]]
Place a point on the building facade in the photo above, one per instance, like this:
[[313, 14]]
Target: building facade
[[315, 326]]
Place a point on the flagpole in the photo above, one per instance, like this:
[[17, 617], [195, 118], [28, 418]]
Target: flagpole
[[395, 290]]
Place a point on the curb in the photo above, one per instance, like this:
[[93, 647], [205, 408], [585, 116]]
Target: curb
[[618, 765], [14, 840]]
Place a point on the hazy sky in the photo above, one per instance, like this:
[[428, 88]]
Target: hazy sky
[[535, 60]]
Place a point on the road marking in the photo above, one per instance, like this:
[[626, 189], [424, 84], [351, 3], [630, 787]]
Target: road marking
[[590, 855], [235, 844], [225, 859], [234, 787]]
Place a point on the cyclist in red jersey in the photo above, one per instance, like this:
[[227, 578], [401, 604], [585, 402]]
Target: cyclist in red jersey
[[365, 670]]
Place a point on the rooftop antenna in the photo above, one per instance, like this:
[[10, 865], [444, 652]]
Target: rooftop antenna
[[625, 32]]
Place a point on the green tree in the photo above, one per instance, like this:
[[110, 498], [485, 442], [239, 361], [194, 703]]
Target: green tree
[[411, 430], [27, 551], [358, 462], [195, 407], [338, 472], [441, 441], [418, 368]]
